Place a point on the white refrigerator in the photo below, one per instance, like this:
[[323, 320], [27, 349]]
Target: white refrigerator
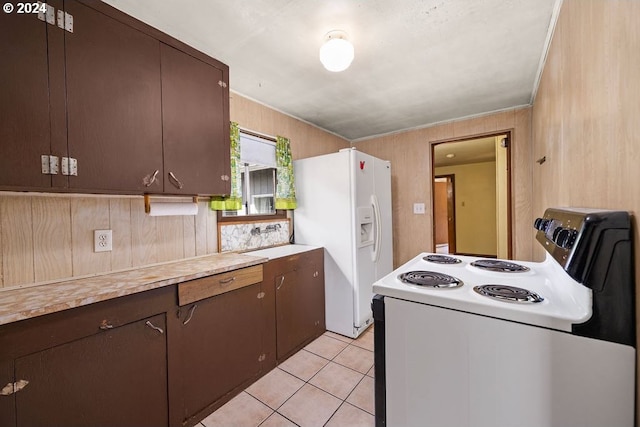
[[344, 205]]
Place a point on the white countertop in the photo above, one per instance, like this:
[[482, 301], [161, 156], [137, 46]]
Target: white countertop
[[282, 251]]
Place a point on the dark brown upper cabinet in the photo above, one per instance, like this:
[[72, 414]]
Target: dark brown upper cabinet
[[195, 130], [139, 111], [25, 120]]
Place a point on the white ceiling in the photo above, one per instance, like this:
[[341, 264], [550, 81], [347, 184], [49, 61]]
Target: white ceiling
[[417, 62]]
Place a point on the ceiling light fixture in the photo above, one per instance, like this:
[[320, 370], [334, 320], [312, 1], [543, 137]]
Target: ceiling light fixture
[[336, 53]]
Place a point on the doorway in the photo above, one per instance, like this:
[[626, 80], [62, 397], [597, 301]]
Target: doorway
[[471, 196], [444, 214]]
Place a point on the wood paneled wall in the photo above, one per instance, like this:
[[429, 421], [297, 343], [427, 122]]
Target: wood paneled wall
[[46, 237], [585, 115], [410, 156], [306, 140]]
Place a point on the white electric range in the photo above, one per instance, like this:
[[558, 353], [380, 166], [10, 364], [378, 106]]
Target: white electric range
[[465, 341]]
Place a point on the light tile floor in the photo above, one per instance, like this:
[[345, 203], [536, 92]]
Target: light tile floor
[[328, 383]]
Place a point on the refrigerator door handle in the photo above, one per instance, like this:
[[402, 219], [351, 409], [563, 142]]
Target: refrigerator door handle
[[375, 256]]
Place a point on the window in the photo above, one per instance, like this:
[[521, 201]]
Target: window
[[258, 155]]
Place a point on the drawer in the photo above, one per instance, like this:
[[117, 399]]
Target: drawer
[[198, 289]]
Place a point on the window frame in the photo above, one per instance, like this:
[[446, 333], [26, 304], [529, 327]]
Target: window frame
[[279, 213]]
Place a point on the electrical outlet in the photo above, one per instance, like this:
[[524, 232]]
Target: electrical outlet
[[102, 241], [418, 208]]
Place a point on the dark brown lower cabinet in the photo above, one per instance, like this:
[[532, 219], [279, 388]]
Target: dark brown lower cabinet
[[220, 346], [298, 284], [100, 365], [118, 377], [165, 357]]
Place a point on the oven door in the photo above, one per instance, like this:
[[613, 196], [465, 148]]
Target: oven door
[[450, 368]]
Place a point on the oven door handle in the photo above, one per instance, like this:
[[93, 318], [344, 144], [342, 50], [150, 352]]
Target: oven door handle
[[375, 256]]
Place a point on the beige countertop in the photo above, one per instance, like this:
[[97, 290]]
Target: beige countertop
[[281, 251], [37, 300]]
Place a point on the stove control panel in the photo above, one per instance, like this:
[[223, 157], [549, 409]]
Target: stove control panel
[[571, 235], [558, 231]]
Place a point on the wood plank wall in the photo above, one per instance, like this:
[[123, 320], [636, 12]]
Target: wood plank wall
[[306, 140], [585, 115], [46, 237], [410, 156]]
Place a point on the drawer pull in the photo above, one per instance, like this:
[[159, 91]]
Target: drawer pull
[[154, 327], [105, 325], [190, 315], [280, 285], [227, 281]]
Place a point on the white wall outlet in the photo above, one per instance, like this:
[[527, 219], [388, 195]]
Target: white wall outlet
[[102, 241], [418, 208]]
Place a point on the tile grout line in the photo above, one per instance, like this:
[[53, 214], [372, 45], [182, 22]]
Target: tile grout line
[[343, 401]]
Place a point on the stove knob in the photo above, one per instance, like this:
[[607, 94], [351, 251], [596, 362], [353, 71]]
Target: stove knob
[[565, 238], [554, 236], [541, 224]]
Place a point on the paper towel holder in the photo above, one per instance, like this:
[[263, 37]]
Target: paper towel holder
[[147, 202]]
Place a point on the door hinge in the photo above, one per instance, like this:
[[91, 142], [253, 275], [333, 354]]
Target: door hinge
[[65, 21], [11, 388], [69, 166], [222, 84], [262, 357], [50, 15], [49, 164], [261, 295]]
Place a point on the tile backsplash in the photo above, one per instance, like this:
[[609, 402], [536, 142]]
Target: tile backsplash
[[253, 235]]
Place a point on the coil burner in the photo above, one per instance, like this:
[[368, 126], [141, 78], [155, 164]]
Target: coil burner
[[508, 293], [430, 279], [499, 265], [442, 259]]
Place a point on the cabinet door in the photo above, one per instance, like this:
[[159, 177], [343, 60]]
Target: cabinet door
[[312, 272], [24, 101], [118, 377], [299, 301], [7, 399], [220, 346], [113, 104], [195, 125], [289, 313]]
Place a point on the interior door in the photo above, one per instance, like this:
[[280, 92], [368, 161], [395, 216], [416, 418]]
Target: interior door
[[444, 214]]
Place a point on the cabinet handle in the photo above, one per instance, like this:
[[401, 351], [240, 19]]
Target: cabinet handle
[[316, 274], [152, 326], [280, 285], [227, 281], [11, 388], [190, 315], [148, 180], [177, 181], [105, 325]]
